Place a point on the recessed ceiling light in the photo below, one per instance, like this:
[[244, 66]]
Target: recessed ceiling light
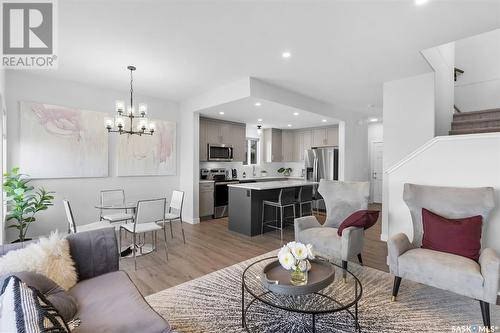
[[221, 112], [258, 104], [421, 2], [259, 120], [289, 125], [295, 113], [323, 120], [373, 120], [286, 54]]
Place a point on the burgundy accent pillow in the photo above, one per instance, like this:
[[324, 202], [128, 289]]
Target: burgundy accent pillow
[[361, 219], [457, 236]]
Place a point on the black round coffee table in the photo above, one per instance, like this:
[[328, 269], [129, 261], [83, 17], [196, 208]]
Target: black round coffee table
[[329, 307]]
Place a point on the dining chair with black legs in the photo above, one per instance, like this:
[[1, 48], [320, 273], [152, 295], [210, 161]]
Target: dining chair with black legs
[[147, 213]]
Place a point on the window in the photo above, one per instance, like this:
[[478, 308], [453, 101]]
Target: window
[[252, 152]]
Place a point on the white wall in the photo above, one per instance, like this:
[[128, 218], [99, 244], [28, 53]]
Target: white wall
[[83, 193], [460, 161], [479, 87], [408, 123], [442, 60], [189, 164], [375, 134]]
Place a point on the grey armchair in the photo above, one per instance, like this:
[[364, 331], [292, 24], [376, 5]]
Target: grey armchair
[[461, 275], [341, 200]]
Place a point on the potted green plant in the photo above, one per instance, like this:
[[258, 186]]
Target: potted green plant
[[23, 202], [285, 171]]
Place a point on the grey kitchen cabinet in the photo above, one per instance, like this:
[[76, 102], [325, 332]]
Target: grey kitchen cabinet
[[287, 145], [319, 137], [214, 135], [203, 141], [332, 136], [307, 139], [272, 145], [206, 199], [325, 136], [238, 140], [213, 131]]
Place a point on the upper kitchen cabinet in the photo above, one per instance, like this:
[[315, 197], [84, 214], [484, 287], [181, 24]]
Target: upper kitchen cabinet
[[287, 145], [237, 135], [302, 141], [214, 131], [325, 136], [203, 141], [332, 136], [272, 145]]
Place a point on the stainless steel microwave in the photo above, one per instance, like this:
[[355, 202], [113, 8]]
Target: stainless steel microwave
[[220, 152]]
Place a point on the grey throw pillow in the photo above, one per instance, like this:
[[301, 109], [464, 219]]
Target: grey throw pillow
[[63, 302]]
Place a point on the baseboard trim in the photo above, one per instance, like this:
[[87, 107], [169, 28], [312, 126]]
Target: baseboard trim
[[192, 221]]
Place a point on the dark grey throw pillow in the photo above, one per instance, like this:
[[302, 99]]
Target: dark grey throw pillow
[[24, 309], [63, 302]]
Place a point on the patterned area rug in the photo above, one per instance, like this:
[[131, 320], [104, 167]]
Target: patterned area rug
[[212, 303]]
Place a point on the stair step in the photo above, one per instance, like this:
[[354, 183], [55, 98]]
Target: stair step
[[474, 130], [478, 115], [475, 123]]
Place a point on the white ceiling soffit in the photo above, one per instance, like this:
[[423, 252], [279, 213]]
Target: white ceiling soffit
[[274, 115]]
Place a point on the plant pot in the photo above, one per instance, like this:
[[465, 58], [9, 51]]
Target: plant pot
[[19, 241]]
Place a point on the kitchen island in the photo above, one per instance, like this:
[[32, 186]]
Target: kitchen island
[[245, 203]]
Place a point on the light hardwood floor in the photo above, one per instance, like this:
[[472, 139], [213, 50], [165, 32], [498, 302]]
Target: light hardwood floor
[[211, 246]]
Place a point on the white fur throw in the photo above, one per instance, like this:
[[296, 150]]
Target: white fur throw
[[50, 257]]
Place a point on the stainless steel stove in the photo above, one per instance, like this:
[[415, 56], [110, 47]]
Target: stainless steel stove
[[221, 192]]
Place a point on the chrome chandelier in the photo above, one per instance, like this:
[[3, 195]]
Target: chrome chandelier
[[118, 124]]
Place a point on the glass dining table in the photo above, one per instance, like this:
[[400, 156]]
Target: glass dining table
[[128, 206]]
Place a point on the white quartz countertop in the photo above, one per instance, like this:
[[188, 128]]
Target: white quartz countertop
[[270, 177], [206, 181], [260, 186]]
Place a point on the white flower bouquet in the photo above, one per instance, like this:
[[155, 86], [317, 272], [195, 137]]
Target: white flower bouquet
[[295, 257]]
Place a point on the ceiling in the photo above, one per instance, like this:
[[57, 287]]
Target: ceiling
[[341, 51], [273, 115]]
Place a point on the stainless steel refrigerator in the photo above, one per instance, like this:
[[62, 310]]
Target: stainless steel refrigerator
[[321, 163]]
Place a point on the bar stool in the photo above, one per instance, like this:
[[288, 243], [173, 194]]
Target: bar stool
[[305, 198], [316, 199], [286, 198]]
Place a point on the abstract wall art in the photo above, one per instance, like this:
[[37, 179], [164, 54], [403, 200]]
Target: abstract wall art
[[148, 155], [62, 142]]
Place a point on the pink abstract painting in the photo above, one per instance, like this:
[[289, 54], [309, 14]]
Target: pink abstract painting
[[62, 142], [148, 155]]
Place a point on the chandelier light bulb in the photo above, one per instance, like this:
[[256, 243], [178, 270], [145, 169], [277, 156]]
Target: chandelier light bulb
[[143, 109], [119, 107], [119, 122], [109, 123], [152, 127]]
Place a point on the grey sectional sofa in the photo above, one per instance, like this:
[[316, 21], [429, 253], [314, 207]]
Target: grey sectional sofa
[[108, 301]]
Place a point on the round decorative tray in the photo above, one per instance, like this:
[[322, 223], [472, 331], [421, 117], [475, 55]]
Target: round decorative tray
[[277, 279]]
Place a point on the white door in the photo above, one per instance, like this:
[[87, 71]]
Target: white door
[[377, 151]]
